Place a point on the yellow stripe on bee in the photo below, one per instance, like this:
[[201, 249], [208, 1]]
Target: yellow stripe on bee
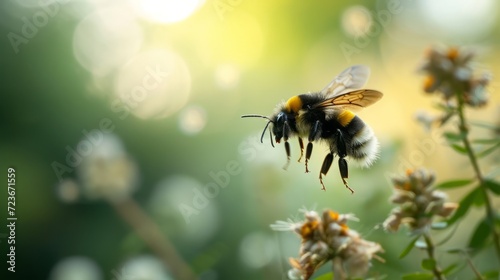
[[345, 117], [294, 104]]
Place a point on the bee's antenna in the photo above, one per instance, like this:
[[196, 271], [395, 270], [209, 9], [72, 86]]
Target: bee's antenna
[[265, 128], [263, 132], [257, 116], [271, 137]]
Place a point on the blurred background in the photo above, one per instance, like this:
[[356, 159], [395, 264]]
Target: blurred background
[[122, 121]]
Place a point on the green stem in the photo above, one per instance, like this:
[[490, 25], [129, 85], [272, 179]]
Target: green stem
[[490, 213], [430, 251], [473, 267], [147, 229]]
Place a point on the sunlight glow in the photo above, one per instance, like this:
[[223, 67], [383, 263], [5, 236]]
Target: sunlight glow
[[166, 11], [239, 43], [461, 17]]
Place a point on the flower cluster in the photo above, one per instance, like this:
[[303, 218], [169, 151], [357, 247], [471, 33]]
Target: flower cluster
[[450, 72], [417, 202], [328, 238]]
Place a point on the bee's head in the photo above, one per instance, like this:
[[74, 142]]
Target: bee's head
[[279, 121]]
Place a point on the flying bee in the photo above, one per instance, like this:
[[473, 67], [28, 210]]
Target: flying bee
[[328, 116]]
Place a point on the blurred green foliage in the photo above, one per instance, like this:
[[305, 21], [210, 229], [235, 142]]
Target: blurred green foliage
[[242, 61]]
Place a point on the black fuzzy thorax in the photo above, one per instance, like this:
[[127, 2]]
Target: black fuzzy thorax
[[330, 125]]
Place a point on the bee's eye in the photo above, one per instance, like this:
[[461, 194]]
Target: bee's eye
[[280, 117]]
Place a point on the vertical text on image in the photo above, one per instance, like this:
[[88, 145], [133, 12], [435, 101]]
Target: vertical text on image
[[11, 218]]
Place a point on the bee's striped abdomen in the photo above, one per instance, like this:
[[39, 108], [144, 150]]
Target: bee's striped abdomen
[[363, 145]]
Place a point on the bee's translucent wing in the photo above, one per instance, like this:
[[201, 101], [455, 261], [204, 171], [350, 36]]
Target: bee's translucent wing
[[351, 78], [353, 100]]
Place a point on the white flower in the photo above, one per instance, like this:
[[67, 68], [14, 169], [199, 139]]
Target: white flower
[[328, 239], [417, 202]]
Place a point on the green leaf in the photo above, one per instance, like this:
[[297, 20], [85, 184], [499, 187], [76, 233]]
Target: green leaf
[[446, 108], [455, 251], [488, 151], [486, 141], [454, 184], [326, 276], [492, 186], [492, 274], [418, 276], [408, 248], [484, 125], [460, 149], [450, 269], [428, 264], [453, 137], [463, 207], [480, 235], [446, 118], [479, 200]]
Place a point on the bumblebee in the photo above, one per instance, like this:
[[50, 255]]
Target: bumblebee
[[328, 116]]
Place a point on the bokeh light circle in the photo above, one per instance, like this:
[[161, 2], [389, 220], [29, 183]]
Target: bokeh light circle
[[192, 120], [76, 268], [68, 190], [144, 267], [227, 76], [106, 39], [152, 85], [356, 20], [257, 250], [183, 209]]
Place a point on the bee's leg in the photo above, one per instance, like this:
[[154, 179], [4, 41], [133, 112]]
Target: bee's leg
[[301, 144], [313, 134], [287, 149], [344, 172], [309, 150], [324, 169], [286, 134], [342, 152]]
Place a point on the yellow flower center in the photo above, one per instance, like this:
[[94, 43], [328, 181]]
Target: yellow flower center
[[308, 228], [452, 53]]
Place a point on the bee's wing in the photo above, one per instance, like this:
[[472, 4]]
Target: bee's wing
[[353, 100], [351, 78]]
